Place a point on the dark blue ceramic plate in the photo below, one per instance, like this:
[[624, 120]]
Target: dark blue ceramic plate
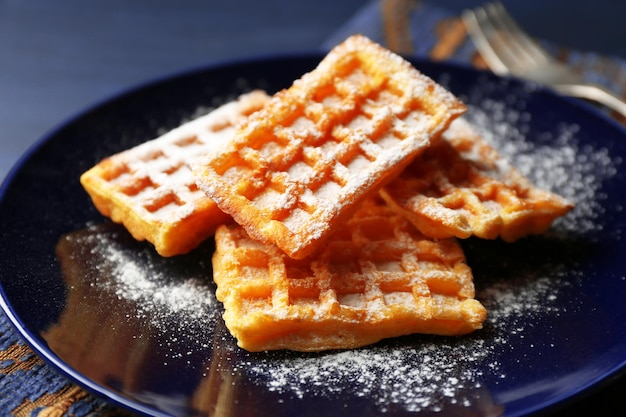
[[146, 332]]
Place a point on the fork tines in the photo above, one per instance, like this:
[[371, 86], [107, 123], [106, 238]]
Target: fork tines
[[504, 45]]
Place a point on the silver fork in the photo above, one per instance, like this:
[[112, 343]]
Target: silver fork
[[507, 49]]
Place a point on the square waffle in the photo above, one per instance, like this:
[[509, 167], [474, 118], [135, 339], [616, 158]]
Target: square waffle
[[461, 187], [150, 188], [296, 169], [377, 278]]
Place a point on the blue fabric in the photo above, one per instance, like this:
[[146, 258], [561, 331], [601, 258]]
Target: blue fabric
[[31, 386]]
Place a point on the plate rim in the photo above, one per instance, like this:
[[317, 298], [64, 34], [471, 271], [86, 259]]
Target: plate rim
[[49, 357]]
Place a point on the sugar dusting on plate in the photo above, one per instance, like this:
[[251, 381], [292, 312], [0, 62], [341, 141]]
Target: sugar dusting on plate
[[433, 373], [561, 164], [415, 373]]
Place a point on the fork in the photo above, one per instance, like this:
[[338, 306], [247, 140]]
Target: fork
[[508, 49]]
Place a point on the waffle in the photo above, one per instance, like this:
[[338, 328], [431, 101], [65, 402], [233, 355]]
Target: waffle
[[462, 187], [150, 188], [296, 169], [377, 278]]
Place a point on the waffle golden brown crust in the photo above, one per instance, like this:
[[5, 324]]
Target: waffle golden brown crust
[[150, 188], [462, 187], [378, 277], [296, 169]]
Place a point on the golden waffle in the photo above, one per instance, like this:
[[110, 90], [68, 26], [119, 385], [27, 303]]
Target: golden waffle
[[378, 277], [298, 167], [461, 187], [150, 188]]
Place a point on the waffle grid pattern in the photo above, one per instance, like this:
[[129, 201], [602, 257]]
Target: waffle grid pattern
[[151, 189], [299, 165], [378, 278], [461, 187]]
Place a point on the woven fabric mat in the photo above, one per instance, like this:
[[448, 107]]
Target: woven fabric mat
[[29, 387]]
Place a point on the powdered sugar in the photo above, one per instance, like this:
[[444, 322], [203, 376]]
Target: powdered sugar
[[420, 373], [417, 378], [438, 374], [417, 373], [148, 287], [556, 161], [168, 298]]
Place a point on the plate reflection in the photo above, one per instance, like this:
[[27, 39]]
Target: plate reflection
[[150, 328]]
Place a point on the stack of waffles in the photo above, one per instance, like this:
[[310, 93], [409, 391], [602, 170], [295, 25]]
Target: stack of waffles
[[335, 204]]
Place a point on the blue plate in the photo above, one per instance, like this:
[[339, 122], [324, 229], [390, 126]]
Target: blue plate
[[146, 332]]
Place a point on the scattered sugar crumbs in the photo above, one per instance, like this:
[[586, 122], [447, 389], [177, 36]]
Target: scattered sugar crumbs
[[419, 373], [434, 373], [161, 298]]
